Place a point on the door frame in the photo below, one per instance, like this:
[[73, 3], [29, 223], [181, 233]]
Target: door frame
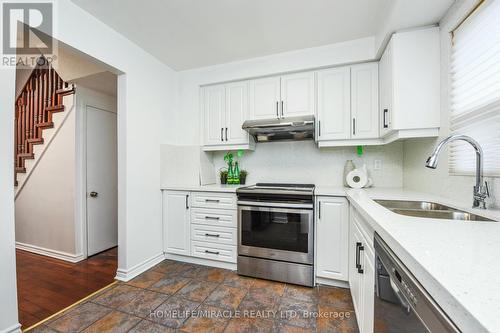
[[84, 98]]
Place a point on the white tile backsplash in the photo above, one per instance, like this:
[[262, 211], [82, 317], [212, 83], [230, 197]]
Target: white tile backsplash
[[303, 162]]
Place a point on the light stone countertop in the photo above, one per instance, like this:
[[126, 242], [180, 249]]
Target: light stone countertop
[[204, 188], [457, 262]]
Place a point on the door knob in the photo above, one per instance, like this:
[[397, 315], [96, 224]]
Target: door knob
[[93, 194]]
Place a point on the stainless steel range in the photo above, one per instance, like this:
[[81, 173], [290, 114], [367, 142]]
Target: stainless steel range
[[276, 232]]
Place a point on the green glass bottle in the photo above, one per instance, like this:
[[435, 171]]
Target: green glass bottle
[[236, 173], [230, 173]]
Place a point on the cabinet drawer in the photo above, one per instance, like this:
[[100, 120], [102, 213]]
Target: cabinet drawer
[[214, 251], [214, 200], [208, 233], [215, 217]]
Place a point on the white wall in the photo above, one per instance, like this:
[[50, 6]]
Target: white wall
[[51, 204], [416, 176], [287, 161], [8, 298], [303, 162], [45, 204], [187, 128], [145, 94]]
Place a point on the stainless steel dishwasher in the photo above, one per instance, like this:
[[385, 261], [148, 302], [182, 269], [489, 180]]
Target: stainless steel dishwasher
[[401, 302]]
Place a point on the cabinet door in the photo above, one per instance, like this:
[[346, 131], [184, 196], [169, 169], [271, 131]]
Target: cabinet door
[[265, 98], [236, 113], [176, 224], [297, 95], [364, 101], [334, 104], [368, 294], [385, 87], [332, 233], [355, 278], [214, 114]]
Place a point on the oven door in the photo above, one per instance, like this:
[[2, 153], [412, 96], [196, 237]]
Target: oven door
[[278, 233]]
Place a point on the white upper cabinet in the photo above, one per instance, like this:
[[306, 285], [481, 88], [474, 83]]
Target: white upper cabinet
[[364, 101], [348, 107], [286, 96], [410, 84], [236, 113], [297, 94], [386, 89], [214, 114], [265, 98], [334, 104], [225, 108]]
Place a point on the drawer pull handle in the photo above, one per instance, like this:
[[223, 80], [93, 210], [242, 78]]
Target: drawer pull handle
[[212, 218], [212, 235], [212, 200], [212, 252]]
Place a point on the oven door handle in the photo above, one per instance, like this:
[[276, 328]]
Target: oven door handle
[[276, 205], [405, 305]]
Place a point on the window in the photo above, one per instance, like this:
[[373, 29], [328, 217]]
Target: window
[[475, 89]]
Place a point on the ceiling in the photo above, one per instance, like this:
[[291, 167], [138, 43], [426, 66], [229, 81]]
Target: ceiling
[[186, 34], [104, 82]]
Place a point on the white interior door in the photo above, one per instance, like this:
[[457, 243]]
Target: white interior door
[[102, 192]]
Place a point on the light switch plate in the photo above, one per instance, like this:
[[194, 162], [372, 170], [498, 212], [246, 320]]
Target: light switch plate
[[377, 164]]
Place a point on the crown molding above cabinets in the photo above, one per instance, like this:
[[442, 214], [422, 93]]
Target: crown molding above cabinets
[[371, 103]]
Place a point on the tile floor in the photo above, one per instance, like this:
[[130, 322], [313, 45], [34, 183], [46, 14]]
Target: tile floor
[[181, 297]]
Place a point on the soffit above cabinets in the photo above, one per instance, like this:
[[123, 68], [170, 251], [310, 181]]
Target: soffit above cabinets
[[187, 34]]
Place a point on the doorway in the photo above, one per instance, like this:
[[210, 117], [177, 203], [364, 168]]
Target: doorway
[[102, 192], [63, 258]]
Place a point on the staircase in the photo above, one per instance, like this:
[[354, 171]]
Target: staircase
[[41, 97]]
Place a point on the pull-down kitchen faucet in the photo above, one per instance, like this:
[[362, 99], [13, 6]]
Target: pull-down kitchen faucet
[[481, 191]]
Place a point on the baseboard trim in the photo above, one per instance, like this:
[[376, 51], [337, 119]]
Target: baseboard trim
[[13, 329], [126, 275], [332, 283], [201, 261], [73, 258]]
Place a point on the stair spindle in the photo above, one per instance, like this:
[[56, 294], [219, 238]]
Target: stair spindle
[[38, 99]]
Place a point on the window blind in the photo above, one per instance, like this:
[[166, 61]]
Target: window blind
[[475, 90]]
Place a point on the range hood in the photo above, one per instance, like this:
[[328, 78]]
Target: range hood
[[290, 128]]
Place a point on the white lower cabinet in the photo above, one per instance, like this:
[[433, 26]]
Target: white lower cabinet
[[332, 232], [213, 251], [208, 233], [362, 271], [176, 222], [200, 224]]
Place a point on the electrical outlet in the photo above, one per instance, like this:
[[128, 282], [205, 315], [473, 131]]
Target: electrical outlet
[[377, 165]]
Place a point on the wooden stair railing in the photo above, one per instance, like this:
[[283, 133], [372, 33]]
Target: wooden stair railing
[[41, 96]]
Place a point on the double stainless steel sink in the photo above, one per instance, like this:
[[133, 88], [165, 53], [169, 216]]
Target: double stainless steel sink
[[429, 210]]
